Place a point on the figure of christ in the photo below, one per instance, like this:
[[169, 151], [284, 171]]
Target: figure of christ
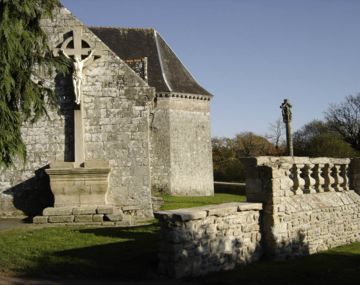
[[78, 75]]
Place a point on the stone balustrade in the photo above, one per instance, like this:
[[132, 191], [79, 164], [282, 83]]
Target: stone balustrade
[[296, 175], [308, 202]]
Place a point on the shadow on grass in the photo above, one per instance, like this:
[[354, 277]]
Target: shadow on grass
[[132, 257], [333, 267]]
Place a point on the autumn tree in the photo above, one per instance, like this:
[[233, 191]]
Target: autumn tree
[[227, 154]]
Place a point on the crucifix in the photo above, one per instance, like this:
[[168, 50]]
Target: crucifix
[[82, 55], [287, 118]]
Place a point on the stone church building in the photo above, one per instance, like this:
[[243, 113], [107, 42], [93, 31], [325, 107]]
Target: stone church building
[[141, 124]]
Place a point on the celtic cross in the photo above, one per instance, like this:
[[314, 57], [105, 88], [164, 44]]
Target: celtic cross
[[81, 53]]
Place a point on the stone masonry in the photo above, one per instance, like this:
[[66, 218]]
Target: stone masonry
[[116, 104], [296, 206], [181, 145], [308, 204], [199, 240], [152, 128]]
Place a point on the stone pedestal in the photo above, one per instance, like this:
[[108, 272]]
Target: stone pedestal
[[80, 186]]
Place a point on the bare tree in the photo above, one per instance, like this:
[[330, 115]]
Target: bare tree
[[276, 133], [345, 119]]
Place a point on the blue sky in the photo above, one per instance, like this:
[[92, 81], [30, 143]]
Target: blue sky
[[251, 54]]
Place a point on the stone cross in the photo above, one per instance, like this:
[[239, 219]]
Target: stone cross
[[82, 54], [287, 118]]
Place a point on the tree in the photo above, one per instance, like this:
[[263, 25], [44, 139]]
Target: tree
[[227, 153], [23, 50], [226, 166], [318, 139], [249, 144], [344, 118], [276, 135]]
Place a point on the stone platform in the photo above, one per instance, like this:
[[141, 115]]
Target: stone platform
[[88, 215]]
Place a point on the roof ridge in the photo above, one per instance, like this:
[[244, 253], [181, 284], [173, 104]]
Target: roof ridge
[[123, 28]]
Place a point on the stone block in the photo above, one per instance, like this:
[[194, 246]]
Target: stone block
[[58, 211], [105, 209], [40, 219], [96, 164], [98, 218], [84, 210], [83, 219], [130, 208], [222, 210], [250, 206], [61, 164], [114, 217], [189, 214], [61, 219]]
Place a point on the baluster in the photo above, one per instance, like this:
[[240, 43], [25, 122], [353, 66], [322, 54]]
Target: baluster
[[299, 182], [307, 171], [338, 179], [344, 173], [288, 182], [319, 180], [329, 180]]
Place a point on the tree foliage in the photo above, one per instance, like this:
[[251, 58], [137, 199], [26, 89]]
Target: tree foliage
[[228, 151], [23, 50], [318, 139], [345, 119]]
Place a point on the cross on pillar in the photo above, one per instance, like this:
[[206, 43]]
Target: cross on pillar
[[82, 55], [287, 118]]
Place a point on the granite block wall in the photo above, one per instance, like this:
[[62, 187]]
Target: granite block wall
[[308, 204], [116, 128], [182, 143], [205, 239]]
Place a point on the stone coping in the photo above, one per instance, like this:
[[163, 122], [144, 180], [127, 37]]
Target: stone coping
[[88, 164], [202, 212], [77, 171], [271, 160]]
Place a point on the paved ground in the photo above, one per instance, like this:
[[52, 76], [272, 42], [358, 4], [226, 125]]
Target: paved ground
[[10, 223]]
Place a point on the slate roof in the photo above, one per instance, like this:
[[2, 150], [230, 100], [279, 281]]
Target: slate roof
[[165, 71]]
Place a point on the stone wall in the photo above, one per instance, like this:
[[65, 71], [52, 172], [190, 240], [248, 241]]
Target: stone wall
[[199, 240], [308, 206], [116, 129], [181, 145]]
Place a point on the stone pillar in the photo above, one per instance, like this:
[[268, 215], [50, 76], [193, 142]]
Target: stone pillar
[[355, 174], [287, 118]]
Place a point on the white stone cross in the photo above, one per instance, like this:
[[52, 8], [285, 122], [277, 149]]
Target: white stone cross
[[81, 56]]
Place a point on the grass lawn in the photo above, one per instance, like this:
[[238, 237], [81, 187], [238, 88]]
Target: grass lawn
[[79, 252], [177, 202], [130, 254]]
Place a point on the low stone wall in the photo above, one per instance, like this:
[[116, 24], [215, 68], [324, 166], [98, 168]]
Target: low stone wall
[[199, 240], [308, 204]]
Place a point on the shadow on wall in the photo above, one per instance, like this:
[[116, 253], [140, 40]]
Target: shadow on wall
[[283, 249], [66, 99], [33, 195]]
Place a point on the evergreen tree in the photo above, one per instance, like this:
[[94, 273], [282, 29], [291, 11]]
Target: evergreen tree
[[23, 49]]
